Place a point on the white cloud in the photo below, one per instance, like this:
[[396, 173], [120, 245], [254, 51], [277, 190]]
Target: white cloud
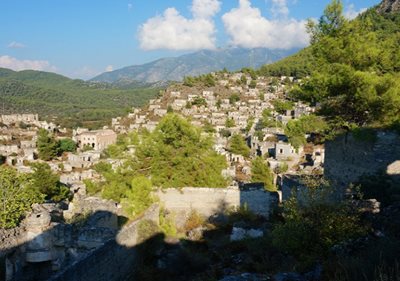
[[15, 64], [109, 68], [205, 8], [351, 13], [248, 28], [85, 72], [174, 32], [279, 8], [15, 45]]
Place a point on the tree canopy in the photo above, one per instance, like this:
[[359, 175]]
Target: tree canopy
[[260, 173], [16, 197], [176, 154]]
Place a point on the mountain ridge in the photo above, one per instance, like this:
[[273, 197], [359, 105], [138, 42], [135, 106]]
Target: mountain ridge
[[194, 64]]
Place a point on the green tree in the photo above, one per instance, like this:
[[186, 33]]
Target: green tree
[[237, 145], [243, 80], [66, 145], [230, 123], [176, 154], [330, 23], [250, 123], [296, 130], [315, 224], [16, 197], [209, 80], [234, 98], [46, 182], [260, 172], [138, 196], [47, 145], [208, 127], [282, 106]]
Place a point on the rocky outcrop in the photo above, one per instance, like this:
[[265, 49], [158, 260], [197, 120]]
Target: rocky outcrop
[[389, 6]]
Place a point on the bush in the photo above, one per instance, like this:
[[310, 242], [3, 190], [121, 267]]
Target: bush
[[16, 197], [46, 182], [193, 221], [316, 224]]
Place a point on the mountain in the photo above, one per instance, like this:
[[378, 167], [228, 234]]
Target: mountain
[[70, 102], [389, 6], [194, 64]]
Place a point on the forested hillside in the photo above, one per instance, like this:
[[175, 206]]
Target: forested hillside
[[353, 68], [70, 102]]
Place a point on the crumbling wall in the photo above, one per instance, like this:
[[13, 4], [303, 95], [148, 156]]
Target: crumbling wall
[[113, 261], [347, 158], [211, 201]]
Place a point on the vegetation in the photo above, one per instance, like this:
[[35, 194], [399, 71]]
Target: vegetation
[[206, 80], [66, 145], [299, 65], [175, 154], [16, 197], [267, 120], [49, 148], [316, 223], [234, 98], [357, 78], [237, 145], [47, 145], [44, 181], [260, 173], [138, 197], [230, 123], [72, 102], [281, 106], [296, 130]]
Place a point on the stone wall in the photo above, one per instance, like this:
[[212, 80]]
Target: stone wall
[[11, 238], [347, 159], [211, 201], [113, 261]]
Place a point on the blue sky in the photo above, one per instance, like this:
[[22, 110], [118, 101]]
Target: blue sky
[[82, 38]]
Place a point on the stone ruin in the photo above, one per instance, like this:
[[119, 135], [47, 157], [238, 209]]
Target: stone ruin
[[44, 243]]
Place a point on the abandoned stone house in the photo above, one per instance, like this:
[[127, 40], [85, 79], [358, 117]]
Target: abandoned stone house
[[160, 112], [77, 177], [9, 149], [98, 140], [32, 119], [83, 160], [285, 151]]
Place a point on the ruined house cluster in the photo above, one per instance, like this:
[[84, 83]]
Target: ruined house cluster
[[214, 107], [54, 245], [50, 246], [18, 147]]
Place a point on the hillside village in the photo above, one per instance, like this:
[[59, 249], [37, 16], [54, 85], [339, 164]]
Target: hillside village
[[235, 105], [231, 107], [225, 176], [254, 110]]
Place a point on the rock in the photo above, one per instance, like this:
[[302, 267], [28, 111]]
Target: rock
[[255, 233], [239, 234], [389, 6], [197, 233]]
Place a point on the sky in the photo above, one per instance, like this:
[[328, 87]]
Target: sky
[[83, 38]]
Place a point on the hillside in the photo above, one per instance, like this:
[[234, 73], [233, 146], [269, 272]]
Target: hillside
[[353, 67], [69, 102], [202, 62]]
